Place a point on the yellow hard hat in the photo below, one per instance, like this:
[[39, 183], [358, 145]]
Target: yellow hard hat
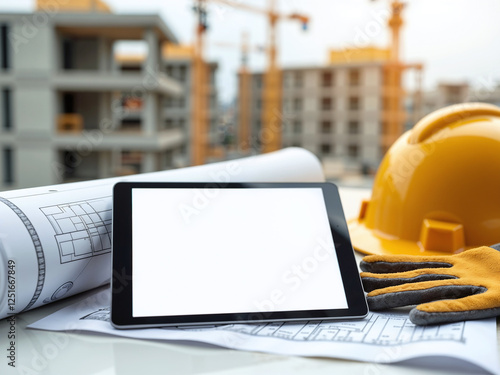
[[437, 190]]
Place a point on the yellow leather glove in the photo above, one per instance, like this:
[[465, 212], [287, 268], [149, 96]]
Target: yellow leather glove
[[463, 286]]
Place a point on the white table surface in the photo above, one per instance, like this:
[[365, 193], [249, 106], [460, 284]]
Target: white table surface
[[41, 352]]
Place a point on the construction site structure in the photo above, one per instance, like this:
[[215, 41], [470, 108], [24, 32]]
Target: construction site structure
[[271, 98], [447, 93], [270, 138], [355, 55], [336, 110], [78, 125], [244, 97], [199, 136], [177, 113], [181, 63], [73, 6], [368, 100], [394, 116]]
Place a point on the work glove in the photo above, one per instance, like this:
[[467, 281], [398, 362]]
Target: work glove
[[463, 286]]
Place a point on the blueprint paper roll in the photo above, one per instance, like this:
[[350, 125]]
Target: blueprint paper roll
[[55, 241]]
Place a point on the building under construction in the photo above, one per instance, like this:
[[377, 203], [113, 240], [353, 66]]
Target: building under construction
[[70, 110], [348, 112], [338, 111], [177, 111]]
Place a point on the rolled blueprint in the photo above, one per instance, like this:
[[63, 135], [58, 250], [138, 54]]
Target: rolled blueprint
[[55, 241]]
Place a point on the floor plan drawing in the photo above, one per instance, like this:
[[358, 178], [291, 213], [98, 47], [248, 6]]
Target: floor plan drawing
[[381, 337], [101, 314], [376, 329], [83, 229]]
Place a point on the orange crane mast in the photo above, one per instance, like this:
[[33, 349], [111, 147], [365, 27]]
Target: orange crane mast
[[394, 115], [244, 98], [199, 90], [393, 90], [244, 90]]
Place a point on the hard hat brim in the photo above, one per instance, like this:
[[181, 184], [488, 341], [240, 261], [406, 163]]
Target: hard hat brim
[[366, 241]]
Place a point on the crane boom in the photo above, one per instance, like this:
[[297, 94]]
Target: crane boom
[[264, 12]]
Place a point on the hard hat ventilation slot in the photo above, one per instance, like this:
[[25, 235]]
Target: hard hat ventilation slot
[[442, 236], [363, 209]]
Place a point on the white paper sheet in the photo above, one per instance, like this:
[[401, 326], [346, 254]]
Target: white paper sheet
[[55, 241], [380, 338]]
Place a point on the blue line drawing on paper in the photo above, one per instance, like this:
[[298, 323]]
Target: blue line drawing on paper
[[375, 329], [101, 314], [60, 292], [83, 229]]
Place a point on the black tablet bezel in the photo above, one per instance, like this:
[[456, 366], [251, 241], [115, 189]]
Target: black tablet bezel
[[121, 305]]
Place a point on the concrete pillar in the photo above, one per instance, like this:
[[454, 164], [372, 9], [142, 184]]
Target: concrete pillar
[[148, 162], [2, 105], [104, 54], [36, 58], [37, 164], [150, 113], [57, 51], [150, 69], [113, 65], [104, 114], [104, 164], [152, 61], [164, 160], [115, 112], [115, 161], [2, 182]]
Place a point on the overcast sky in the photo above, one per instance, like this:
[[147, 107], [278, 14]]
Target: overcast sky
[[457, 40]]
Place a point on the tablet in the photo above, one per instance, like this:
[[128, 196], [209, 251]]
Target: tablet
[[211, 253]]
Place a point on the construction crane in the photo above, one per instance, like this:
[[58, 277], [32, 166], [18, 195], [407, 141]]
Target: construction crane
[[393, 91], [271, 94], [244, 89], [244, 97], [393, 70], [271, 126], [199, 89]]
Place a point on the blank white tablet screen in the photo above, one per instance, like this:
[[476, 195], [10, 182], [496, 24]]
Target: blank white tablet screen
[[213, 251]]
